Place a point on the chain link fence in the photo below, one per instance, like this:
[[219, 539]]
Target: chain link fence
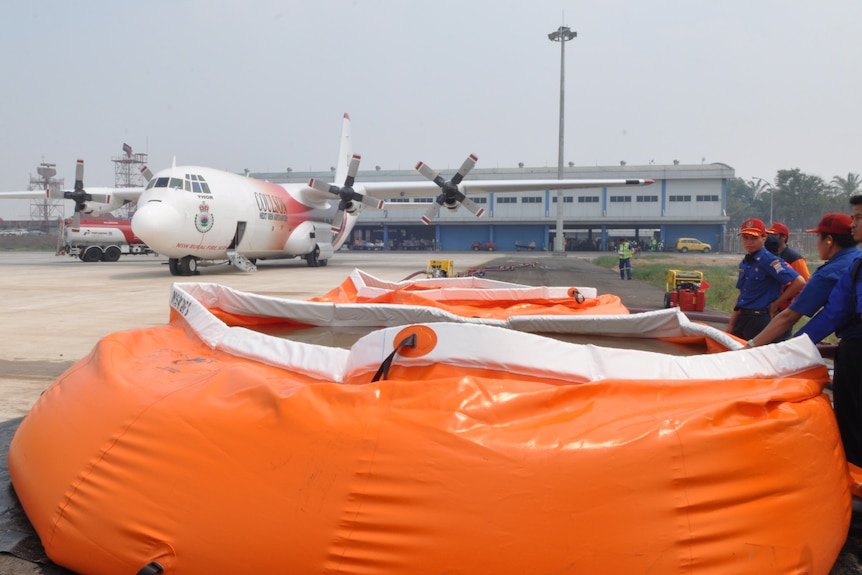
[[799, 240]]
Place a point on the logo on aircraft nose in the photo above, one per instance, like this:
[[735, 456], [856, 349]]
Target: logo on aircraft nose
[[204, 219]]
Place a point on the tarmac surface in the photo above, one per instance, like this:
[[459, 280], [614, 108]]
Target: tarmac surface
[[56, 308]]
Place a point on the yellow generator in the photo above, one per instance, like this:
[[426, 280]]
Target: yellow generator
[[685, 290], [440, 269]]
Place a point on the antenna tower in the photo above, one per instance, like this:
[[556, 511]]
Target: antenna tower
[[127, 174], [45, 209]]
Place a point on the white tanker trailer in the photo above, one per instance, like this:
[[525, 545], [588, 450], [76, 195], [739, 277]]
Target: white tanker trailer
[[101, 240]]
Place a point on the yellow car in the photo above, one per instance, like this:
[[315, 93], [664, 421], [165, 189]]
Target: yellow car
[[692, 245]]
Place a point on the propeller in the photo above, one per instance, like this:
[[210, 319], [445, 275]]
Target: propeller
[[450, 196], [147, 173], [348, 196], [80, 196]]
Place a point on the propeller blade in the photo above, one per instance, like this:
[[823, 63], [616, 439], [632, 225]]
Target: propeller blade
[[468, 165], [352, 169], [147, 173], [371, 201], [79, 176], [337, 221], [473, 207], [322, 186], [431, 213], [430, 173]]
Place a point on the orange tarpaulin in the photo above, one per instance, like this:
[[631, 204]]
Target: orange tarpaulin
[[214, 449], [474, 297]]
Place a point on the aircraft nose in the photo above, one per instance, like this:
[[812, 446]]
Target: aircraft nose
[[157, 224]]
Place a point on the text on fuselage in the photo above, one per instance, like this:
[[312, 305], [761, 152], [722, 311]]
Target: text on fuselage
[[271, 207]]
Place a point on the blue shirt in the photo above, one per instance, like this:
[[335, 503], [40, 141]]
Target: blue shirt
[[816, 292], [839, 313], [761, 277]]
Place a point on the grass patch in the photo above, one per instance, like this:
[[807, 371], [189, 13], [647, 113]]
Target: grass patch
[[653, 268], [722, 292]]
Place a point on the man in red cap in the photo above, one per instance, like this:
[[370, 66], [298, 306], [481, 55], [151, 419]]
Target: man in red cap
[[837, 247], [841, 315], [779, 247], [762, 277]]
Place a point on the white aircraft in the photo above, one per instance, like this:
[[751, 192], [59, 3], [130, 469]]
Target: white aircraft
[[201, 216]]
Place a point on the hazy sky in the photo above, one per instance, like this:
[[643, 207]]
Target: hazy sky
[[760, 85]]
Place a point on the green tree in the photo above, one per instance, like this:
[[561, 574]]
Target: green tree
[[741, 196], [849, 186], [801, 199]]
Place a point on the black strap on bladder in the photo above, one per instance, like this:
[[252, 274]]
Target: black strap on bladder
[[151, 568], [383, 370], [579, 297]]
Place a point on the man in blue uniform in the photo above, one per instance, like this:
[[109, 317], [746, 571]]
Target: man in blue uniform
[[841, 315], [837, 247], [762, 276]]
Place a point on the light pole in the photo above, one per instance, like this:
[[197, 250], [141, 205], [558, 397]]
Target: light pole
[[562, 35], [771, 194]]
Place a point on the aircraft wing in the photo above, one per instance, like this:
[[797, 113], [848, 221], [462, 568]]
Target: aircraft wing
[[26, 195], [128, 194], [119, 193], [419, 189]]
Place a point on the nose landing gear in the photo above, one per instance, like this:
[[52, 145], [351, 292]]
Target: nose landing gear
[[187, 266]]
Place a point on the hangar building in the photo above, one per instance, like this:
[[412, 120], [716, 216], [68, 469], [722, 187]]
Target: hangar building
[[684, 201]]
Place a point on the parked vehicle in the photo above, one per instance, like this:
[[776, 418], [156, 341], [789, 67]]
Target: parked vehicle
[[101, 240], [692, 245], [484, 246], [14, 232]]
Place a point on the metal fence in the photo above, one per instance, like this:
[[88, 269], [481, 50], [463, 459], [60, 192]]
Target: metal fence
[[802, 242]]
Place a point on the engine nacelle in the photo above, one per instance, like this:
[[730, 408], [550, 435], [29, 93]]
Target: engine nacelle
[[451, 204], [99, 208], [302, 240], [309, 236]]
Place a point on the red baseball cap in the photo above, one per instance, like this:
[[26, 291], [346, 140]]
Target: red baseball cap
[[832, 223], [779, 229], [752, 227]]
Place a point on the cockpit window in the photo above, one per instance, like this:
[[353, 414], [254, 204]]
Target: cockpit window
[[191, 183]]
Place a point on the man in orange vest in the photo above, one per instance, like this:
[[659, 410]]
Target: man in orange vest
[[777, 244]]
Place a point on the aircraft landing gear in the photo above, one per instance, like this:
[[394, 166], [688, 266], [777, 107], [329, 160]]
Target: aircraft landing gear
[[187, 266], [313, 259]]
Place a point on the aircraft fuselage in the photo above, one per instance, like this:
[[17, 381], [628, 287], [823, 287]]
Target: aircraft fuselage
[[203, 213]]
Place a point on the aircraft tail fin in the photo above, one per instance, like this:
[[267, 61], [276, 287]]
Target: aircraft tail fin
[[345, 150]]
